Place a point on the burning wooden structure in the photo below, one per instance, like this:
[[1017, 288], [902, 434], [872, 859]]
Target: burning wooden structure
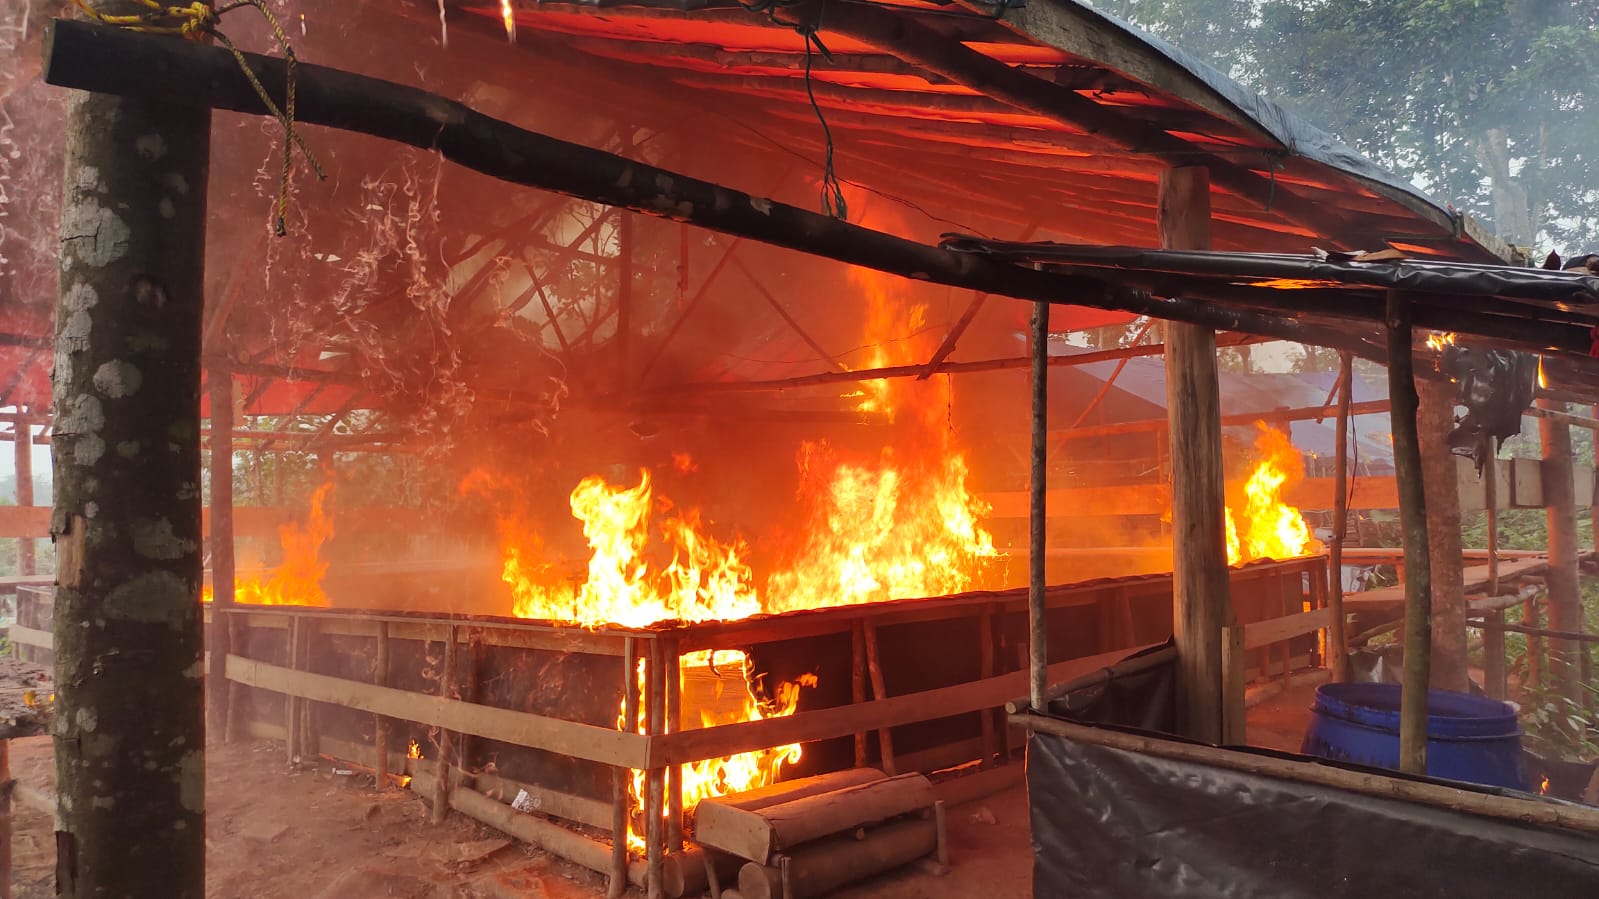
[[594, 722]]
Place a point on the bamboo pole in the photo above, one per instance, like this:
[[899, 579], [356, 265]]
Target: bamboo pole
[[1413, 516], [441, 784], [1037, 539], [1336, 642], [380, 676]]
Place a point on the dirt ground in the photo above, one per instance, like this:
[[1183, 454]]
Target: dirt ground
[[275, 834]]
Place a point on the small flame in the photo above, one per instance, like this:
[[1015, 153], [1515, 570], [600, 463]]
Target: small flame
[[298, 580], [1543, 382], [1440, 339], [1543, 787], [414, 751], [509, 16]]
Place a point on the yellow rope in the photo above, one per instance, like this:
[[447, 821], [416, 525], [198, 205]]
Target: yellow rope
[[198, 21]]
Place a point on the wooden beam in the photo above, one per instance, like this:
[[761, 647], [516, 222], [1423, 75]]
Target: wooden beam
[[1201, 603], [1413, 518]]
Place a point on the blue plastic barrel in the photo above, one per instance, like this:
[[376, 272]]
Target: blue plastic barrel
[[1469, 738]]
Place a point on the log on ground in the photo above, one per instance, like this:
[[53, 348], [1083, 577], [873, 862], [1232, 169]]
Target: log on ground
[[758, 834], [822, 867]]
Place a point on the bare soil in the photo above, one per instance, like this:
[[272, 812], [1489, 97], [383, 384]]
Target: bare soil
[[273, 833]]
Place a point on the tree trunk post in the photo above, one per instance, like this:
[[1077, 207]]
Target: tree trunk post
[[130, 716], [1494, 678], [1404, 405], [23, 444], [222, 568], [1037, 515], [1337, 643], [1201, 602], [1560, 510], [1435, 419]]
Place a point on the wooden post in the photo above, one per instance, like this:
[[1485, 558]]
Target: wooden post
[[291, 703], [309, 744], [1201, 592], [1435, 419], [1560, 511], [221, 542], [23, 445], [1495, 682], [1037, 537], [858, 684], [985, 669], [655, 778], [6, 786], [466, 689], [1337, 643], [674, 723], [621, 778], [129, 633], [381, 738], [1403, 404], [441, 785], [624, 296], [885, 739]]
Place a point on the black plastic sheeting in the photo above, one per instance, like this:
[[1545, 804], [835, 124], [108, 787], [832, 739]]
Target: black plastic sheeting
[[1122, 825], [1333, 270], [1496, 387]]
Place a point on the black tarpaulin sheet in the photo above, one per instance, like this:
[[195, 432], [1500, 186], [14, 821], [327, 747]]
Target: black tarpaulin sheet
[[1266, 269], [1123, 825]]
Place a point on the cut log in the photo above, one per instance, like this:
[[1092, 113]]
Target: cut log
[[789, 790], [826, 865], [758, 834]]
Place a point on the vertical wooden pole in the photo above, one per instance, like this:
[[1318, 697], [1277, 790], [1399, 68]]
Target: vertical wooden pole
[[129, 631], [1403, 406], [466, 689], [857, 685], [985, 670], [1037, 538], [291, 703], [5, 818], [441, 783], [221, 542], [381, 737], [622, 778], [1560, 512], [624, 295], [1337, 642], [1440, 479], [885, 738], [655, 778], [1201, 600], [309, 744], [23, 446], [674, 714], [1495, 681]]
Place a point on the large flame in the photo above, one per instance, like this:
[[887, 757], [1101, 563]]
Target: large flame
[[1272, 529], [297, 581]]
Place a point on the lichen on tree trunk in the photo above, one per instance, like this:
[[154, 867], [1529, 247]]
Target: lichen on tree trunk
[[1434, 421], [130, 734]]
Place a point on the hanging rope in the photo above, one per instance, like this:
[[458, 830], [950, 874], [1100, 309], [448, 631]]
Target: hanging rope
[[832, 196], [198, 21]]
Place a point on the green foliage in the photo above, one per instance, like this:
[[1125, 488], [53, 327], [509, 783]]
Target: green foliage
[[1488, 104]]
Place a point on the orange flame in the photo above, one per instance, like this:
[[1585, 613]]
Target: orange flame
[[1440, 339], [508, 14], [297, 581], [1272, 528]]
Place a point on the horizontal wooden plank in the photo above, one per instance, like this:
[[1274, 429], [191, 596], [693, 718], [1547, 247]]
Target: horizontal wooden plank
[[553, 638], [802, 727], [584, 741], [1475, 578], [1276, 630], [29, 636]]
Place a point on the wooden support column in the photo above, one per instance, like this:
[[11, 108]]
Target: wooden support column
[[1495, 681], [1560, 510], [6, 787], [221, 543], [1435, 419], [885, 739], [674, 723], [857, 685], [622, 778], [1337, 644], [381, 738], [1201, 601], [624, 297], [129, 637], [1037, 536], [1413, 519], [654, 778], [441, 784], [23, 445]]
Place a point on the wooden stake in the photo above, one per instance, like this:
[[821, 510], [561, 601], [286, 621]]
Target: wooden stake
[[381, 737], [1413, 517], [885, 739], [1337, 646], [1560, 512], [1037, 514], [655, 779], [858, 684], [1201, 599], [1495, 680], [129, 632], [621, 778], [674, 723], [441, 784], [291, 703], [1435, 420]]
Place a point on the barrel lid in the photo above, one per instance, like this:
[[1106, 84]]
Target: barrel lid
[[1449, 714]]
